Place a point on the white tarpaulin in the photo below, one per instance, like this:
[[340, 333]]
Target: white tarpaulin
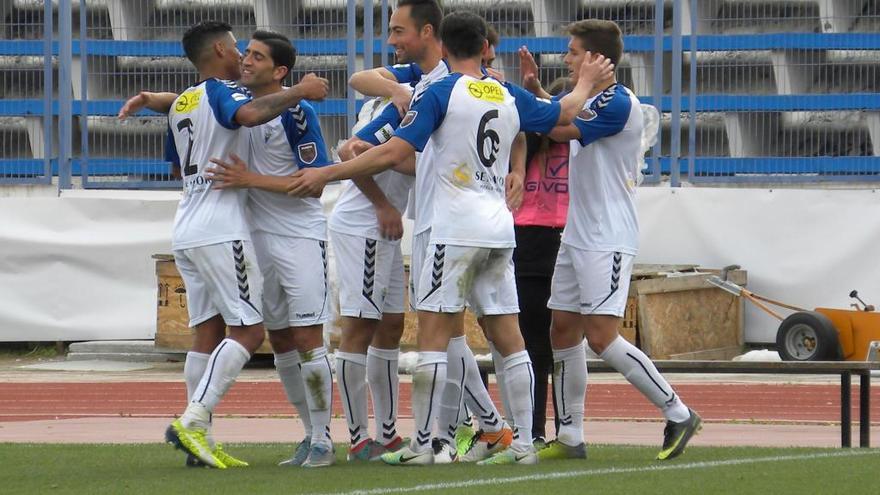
[[78, 267]]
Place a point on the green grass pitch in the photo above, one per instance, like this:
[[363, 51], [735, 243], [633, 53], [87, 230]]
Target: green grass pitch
[[158, 469]]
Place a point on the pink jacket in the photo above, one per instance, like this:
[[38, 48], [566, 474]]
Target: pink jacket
[[545, 201]]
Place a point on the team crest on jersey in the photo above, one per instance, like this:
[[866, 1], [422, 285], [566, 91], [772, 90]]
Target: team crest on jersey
[[409, 118], [307, 152], [486, 90], [587, 114], [384, 134], [188, 101]]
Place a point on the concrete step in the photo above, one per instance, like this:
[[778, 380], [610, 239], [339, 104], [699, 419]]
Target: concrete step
[[122, 350]]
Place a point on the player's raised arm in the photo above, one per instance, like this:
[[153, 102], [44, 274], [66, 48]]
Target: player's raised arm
[[157, 102], [592, 73], [265, 108], [529, 69], [382, 82]]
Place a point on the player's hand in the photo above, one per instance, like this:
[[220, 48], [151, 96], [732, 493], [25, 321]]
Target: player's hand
[[513, 193], [595, 69], [229, 174], [134, 105], [312, 87], [390, 223], [495, 73], [401, 100], [529, 69], [307, 182]]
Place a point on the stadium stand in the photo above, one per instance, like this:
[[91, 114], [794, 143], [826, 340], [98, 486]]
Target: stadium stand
[[781, 87]]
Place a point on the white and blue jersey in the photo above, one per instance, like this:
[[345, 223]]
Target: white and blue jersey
[[471, 124], [202, 126], [280, 147], [603, 168], [409, 73]]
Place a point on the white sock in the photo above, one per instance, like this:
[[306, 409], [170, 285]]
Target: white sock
[[519, 378], [450, 398], [475, 395], [570, 384], [633, 364], [428, 380], [351, 377], [224, 366], [290, 372], [318, 378], [193, 369], [498, 363], [384, 385]]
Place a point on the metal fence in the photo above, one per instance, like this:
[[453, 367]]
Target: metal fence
[[749, 90]]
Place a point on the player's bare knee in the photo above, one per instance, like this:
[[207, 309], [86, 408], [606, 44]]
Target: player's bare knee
[[389, 332], [600, 330], [250, 336], [282, 341], [503, 332], [308, 338]]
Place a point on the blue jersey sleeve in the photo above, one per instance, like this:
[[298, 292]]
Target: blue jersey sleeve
[[606, 116], [226, 99], [303, 130], [405, 73], [171, 148], [382, 127], [535, 114], [426, 113]]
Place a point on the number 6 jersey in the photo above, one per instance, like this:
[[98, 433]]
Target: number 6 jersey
[[202, 126], [471, 124]]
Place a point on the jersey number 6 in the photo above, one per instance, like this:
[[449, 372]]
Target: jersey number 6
[[482, 134]]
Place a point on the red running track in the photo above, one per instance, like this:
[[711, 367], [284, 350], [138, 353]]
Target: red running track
[[760, 402]]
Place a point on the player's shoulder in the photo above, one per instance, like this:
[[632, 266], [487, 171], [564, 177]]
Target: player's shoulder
[[440, 88], [614, 102], [216, 85]]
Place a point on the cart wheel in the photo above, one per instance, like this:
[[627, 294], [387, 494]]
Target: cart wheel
[[808, 336]]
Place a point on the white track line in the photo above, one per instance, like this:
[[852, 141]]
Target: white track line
[[604, 471]]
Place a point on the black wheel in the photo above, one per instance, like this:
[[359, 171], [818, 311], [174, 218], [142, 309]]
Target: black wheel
[[808, 336]]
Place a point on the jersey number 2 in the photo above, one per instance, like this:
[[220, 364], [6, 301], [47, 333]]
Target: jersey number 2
[[487, 159], [188, 169]]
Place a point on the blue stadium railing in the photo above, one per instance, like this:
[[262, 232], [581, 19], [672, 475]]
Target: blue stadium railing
[[865, 167]]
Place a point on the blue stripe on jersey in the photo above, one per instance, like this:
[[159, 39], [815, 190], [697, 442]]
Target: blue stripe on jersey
[[607, 115], [171, 149], [535, 115], [389, 116], [303, 131], [406, 73], [225, 99], [427, 112]]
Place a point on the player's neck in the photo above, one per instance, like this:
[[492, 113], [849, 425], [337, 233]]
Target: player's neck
[[433, 55], [468, 66], [603, 85], [211, 71], [266, 89]]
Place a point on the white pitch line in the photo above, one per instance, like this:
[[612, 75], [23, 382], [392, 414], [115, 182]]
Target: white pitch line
[[604, 471]]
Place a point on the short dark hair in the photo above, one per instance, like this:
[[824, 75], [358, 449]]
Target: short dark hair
[[463, 34], [280, 48], [492, 35], [424, 12], [198, 37], [599, 36]]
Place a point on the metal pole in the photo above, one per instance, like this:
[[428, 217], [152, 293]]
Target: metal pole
[[368, 34], [845, 420], [352, 49], [865, 410], [657, 150], [383, 57], [84, 84], [675, 139], [48, 118], [692, 95], [65, 97]]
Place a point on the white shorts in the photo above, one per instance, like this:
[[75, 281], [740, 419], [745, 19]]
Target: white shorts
[[370, 274], [455, 277], [590, 282], [222, 279], [420, 244], [294, 280]]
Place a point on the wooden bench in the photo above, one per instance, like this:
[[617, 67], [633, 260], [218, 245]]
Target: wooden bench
[[846, 369]]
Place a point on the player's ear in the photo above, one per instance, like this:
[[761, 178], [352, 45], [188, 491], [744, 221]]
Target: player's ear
[[280, 72], [484, 52]]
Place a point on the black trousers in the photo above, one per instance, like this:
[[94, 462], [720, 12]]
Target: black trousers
[[534, 258]]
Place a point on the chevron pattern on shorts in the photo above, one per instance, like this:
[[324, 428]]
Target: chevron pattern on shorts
[[370, 271], [244, 290], [437, 270], [615, 271]]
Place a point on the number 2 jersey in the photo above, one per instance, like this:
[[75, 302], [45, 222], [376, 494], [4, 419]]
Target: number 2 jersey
[[202, 126], [471, 124]]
